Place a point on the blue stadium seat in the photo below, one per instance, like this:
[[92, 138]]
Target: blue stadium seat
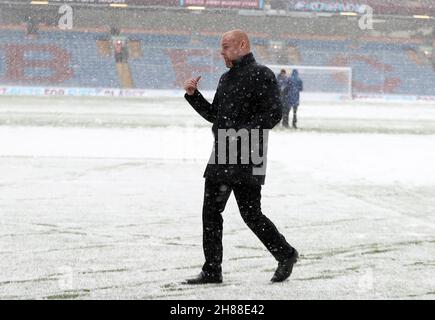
[[156, 70]]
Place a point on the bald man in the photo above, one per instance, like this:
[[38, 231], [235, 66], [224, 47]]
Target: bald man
[[247, 99]]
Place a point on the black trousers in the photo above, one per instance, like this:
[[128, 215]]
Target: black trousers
[[285, 116], [248, 197]]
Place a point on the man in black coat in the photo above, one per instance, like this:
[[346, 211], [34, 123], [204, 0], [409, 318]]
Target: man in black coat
[[245, 106]]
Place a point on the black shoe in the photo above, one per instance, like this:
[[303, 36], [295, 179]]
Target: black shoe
[[204, 278], [285, 268]]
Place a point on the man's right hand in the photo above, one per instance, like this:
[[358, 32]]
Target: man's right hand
[[191, 85]]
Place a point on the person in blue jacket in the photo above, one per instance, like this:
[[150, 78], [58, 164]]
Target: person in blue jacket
[[295, 86]]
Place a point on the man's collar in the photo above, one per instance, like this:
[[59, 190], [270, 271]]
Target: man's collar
[[243, 60]]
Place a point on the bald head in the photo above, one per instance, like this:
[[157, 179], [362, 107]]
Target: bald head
[[240, 37], [234, 44]]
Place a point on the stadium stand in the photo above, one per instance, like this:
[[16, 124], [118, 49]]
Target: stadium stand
[[73, 59]]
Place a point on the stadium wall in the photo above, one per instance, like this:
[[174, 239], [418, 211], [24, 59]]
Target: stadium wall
[[396, 67], [150, 93]]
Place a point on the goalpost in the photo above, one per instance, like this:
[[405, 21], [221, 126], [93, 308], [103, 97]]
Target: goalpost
[[321, 83]]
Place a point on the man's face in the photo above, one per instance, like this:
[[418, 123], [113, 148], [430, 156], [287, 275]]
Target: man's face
[[230, 50]]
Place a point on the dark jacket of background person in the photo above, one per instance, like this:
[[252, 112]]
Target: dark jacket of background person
[[283, 83], [247, 97], [295, 86]]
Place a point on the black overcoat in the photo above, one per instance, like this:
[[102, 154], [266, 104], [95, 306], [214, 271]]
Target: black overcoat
[[247, 97]]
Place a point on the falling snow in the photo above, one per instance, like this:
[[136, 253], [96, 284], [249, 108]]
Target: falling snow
[[112, 208]]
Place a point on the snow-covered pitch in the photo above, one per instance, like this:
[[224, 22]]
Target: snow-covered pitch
[[101, 198]]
